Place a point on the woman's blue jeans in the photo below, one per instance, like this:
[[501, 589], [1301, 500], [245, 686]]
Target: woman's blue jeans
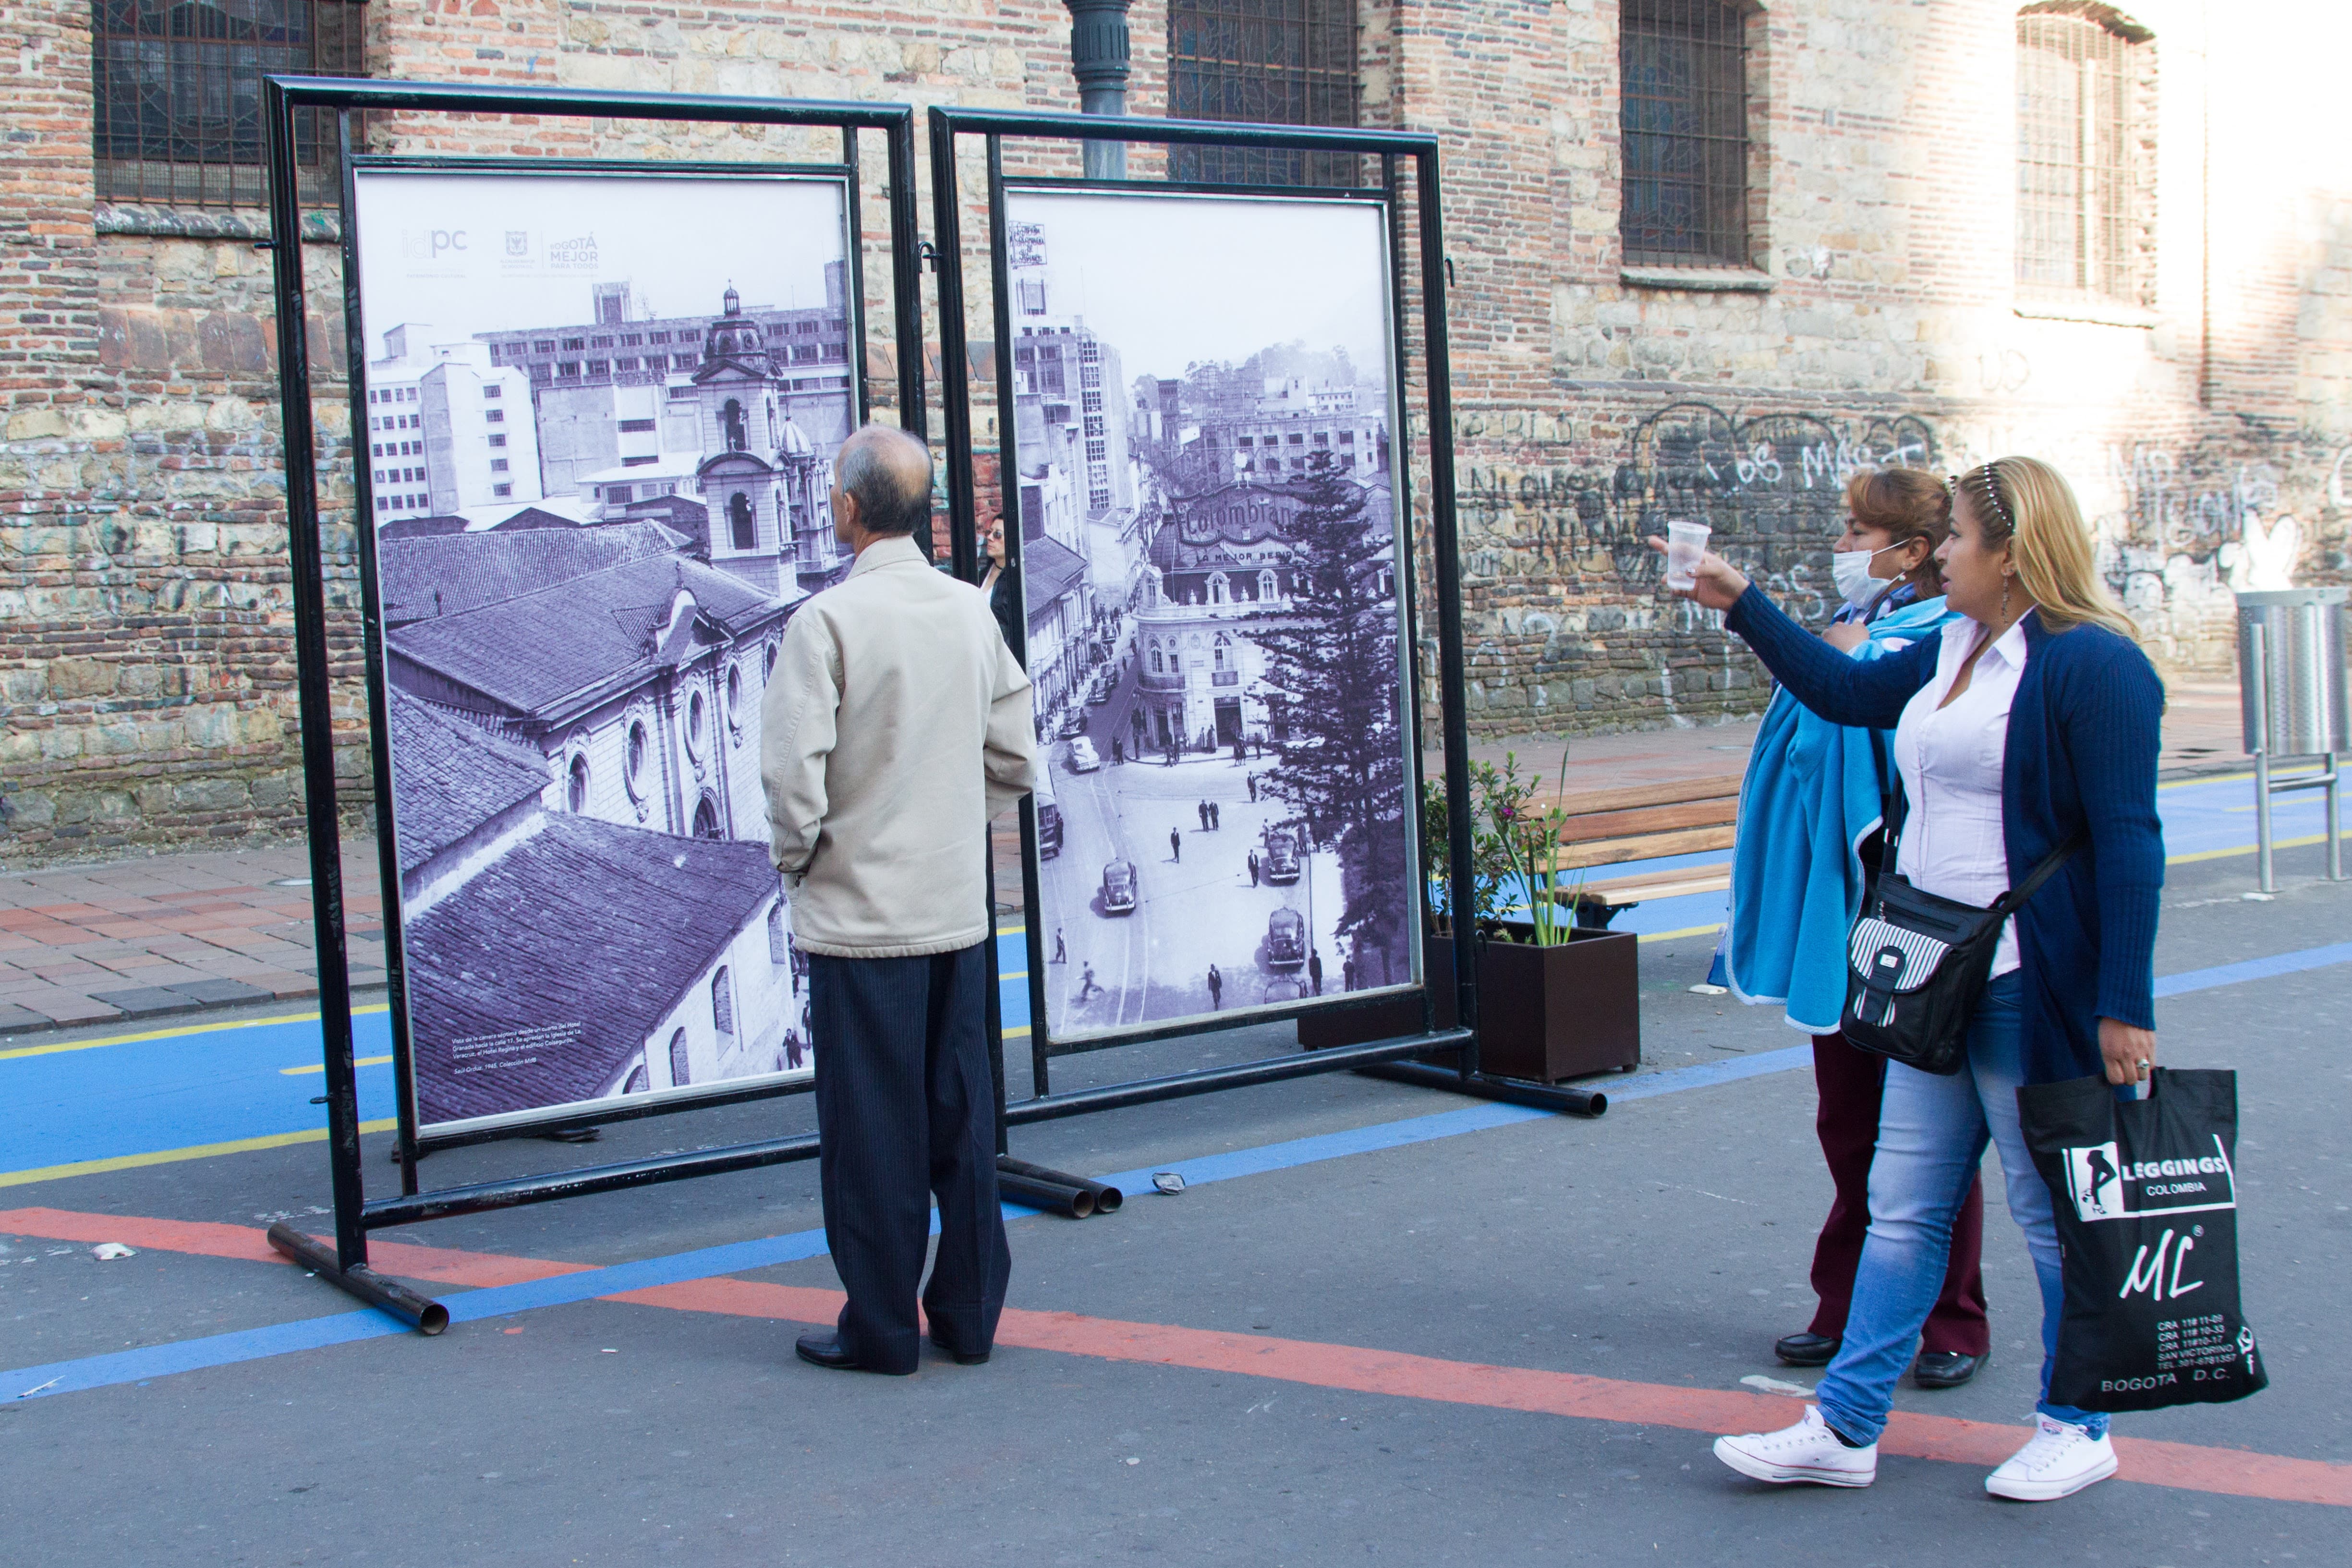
[[1932, 1132]]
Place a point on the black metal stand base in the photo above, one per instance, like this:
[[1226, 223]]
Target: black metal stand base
[[420, 1313], [1484, 1086], [1056, 1192]]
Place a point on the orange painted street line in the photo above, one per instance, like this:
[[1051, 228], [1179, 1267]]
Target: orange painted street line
[[2186, 1467]]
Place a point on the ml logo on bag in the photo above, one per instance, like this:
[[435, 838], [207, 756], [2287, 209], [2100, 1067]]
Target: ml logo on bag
[[2103, 1185]]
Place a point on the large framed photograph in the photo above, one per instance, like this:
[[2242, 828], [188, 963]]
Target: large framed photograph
[[1211, 553], [597, 413]]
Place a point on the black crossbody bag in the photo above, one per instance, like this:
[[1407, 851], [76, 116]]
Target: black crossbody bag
[[1916, 963]]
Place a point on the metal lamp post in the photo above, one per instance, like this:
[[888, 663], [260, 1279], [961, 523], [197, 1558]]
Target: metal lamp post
[[1099, 55]]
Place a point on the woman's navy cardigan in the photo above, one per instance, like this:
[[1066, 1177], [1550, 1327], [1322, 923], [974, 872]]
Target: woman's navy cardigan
[[2082, 748]]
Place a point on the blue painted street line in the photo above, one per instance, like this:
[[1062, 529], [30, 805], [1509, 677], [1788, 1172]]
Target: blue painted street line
[[498, 1301], [2254, 969], [195, 1354], [178, 1092]]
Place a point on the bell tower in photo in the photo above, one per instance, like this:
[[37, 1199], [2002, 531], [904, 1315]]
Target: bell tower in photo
[[760, 475]]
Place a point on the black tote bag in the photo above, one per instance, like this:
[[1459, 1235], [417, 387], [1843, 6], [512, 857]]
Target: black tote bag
[[2146, 1193]]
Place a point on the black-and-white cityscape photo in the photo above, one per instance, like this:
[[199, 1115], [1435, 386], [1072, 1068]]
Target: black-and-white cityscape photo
[[599, 420], [1209, 563]]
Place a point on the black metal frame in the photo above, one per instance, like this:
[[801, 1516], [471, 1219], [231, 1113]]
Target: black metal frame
[[1393, 148], [285, 99], [346, 1263], [413, 1143], [1043, 1047]]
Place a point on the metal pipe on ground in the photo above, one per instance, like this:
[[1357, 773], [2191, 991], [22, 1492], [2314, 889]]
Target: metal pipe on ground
[[1050, 1195], [420, 1313], [1107, 1197], [1510, 1091]]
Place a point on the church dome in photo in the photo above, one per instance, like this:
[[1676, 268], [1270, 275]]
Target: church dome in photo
[[733, 336]]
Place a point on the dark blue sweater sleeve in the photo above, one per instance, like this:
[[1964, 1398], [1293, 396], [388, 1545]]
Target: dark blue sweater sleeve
[[1868, 693], [2112, 722]]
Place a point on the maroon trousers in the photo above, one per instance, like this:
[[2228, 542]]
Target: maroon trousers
[[1851, 1083]]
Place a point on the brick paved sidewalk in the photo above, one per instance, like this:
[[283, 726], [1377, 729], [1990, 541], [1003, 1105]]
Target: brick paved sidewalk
[[154, 934]]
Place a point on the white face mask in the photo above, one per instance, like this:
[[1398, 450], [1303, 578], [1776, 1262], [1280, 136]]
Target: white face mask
[[1850, 570]]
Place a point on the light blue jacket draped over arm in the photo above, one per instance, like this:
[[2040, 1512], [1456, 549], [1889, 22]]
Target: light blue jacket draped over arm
[[1814, 792]]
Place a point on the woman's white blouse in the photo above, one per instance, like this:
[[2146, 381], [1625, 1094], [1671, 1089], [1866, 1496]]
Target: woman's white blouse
[[1950, 758]]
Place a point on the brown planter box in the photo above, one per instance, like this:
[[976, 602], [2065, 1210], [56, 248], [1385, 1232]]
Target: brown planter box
[[1545, 1013]]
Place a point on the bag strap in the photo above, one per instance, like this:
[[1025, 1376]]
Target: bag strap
[[1892, 818], [2011, 902]]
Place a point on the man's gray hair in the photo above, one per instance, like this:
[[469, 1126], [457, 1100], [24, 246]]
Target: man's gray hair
[[888, 472]]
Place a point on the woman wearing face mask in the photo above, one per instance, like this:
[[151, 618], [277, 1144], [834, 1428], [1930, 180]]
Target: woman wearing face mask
[[2029, 724], [1811, 810]]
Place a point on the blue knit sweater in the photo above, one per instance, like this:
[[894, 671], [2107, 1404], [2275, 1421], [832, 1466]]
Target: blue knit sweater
[[2081, 753]]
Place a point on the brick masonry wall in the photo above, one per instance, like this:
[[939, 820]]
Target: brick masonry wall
[[146, 680]]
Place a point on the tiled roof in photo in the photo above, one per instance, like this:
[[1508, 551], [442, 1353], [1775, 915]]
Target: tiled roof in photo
[[567, 950], [530, 654], [448, 574], [1049, 568], [450, 776]]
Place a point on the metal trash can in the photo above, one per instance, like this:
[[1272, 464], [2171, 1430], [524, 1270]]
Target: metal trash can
[[2292, 687]]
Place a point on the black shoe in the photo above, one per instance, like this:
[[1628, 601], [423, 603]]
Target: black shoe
[[1945, 1368], [826, 1350], [963, 1357], [1805, 1350]]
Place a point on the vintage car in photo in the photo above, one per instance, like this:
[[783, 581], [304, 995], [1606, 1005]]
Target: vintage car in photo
[[1281, 856], [1286, 939], [1118, 888]]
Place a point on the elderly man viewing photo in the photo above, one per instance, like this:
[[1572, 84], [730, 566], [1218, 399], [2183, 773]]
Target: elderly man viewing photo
[[896, 725]]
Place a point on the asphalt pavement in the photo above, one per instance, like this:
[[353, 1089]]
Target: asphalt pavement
[[1381, 1324]]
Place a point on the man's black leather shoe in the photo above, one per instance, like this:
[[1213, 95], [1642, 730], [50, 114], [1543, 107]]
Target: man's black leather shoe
[[826, 1350], [963, 1357], [1945, 1368], [1806, 1350]]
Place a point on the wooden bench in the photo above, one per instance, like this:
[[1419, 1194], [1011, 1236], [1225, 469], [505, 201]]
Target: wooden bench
[[1651, 821]]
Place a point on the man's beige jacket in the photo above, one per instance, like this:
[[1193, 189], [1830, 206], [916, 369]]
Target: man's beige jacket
[[897, 724]]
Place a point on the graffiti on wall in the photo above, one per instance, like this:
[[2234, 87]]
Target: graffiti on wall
[[2182, 526], [1561, 580], [1771, 485]]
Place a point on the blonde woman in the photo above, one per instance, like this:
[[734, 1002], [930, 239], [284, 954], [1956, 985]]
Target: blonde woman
[[2032, 717]]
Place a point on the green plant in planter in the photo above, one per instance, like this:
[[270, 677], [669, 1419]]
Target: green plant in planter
[[1515, 838], [1527, 831], [1488, 870]]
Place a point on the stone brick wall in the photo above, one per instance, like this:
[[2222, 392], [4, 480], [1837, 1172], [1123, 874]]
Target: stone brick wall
[[146, 680]]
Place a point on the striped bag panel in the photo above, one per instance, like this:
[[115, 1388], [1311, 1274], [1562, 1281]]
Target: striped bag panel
[[1920, 955]]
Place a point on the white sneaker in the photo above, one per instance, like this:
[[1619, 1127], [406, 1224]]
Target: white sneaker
[[1808, 1452], [2059, 1461]]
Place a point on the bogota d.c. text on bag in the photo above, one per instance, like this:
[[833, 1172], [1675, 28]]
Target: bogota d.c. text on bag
[[2146, 1197], [1917, 964]]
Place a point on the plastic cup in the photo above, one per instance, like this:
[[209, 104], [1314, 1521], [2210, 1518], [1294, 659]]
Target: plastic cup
[[1685, 543]]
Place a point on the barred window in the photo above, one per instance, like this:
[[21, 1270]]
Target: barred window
[[176, 94], [1683, 110], [2086, 151], [1286, 62]]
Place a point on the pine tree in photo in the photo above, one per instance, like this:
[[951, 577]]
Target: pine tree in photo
[[1332, 693]]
